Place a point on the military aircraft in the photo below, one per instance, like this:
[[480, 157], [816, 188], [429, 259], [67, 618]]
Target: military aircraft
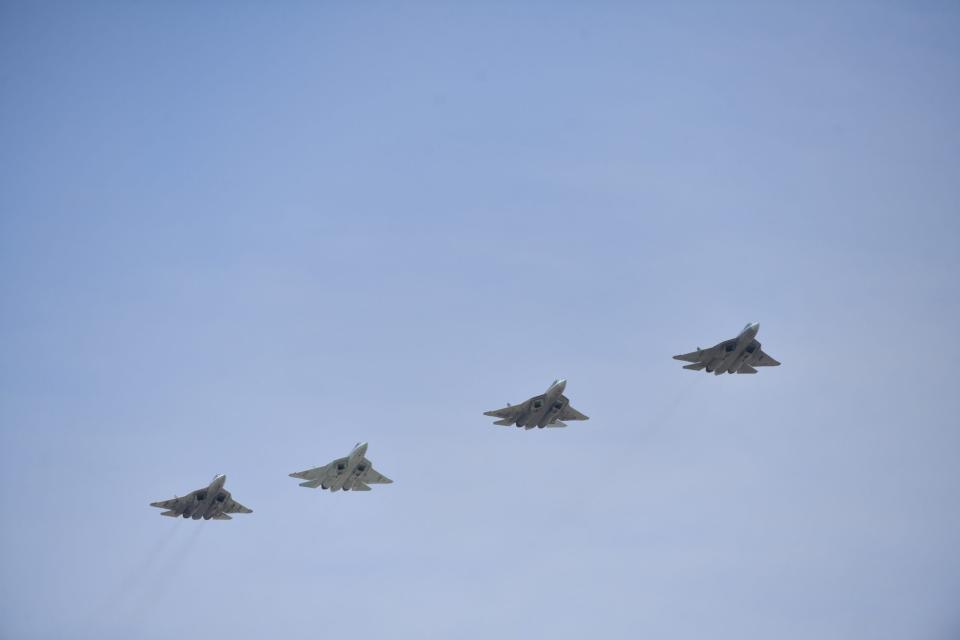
[[353, 472], [546, 410], [211, 502], [737, 355]]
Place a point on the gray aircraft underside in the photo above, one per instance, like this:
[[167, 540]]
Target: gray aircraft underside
[[737, 355], [547, 410], [211, 502], [352, 473]]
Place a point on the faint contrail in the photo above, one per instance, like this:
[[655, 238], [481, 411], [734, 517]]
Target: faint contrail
[[659, 419], [132, 579], [161, 578]]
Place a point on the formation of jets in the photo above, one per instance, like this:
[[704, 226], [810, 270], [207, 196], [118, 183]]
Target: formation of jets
[[549, 409]]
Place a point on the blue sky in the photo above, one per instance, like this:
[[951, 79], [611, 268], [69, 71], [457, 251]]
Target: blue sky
[[240, 239]]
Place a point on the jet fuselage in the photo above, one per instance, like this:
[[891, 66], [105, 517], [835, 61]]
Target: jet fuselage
[[207, 505], [737, 352], [353, 468], [543, 411]]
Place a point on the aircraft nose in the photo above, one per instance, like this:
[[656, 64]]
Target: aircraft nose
[[362, 448], [561, 385], [755, 326]]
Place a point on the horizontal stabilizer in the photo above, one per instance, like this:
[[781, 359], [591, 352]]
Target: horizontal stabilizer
[[222, 516], [507, 422], [359, 486], [696, 366], [745, 368], [172, 514], [557, 424], [310, 484]]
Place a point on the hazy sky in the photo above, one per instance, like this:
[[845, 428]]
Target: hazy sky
[[241, 237]]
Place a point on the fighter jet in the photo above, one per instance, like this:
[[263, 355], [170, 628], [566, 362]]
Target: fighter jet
[[212, 501], [738, 355], [353, 472], [546, 410]]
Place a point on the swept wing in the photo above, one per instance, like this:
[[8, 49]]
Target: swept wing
[[512, 411], [372, 476], [321, 474], [765, 360], [174, 504], [569, 413], [701, 355], [232, 506]]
